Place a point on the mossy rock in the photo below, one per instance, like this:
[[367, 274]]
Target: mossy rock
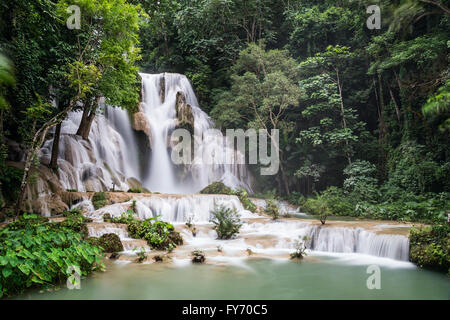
[[198, 256], [110, 242], [99, 200], [430, 247], [217, 188], [107, 217]]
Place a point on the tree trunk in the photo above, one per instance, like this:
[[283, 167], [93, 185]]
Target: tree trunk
[[86, 122], [397, 110], [344, 121], [55, 148]]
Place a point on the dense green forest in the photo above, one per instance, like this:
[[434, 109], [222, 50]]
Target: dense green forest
[[363, 113]]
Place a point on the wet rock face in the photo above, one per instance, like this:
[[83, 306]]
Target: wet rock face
[[44, 194], [185, 115], [142, 124], [162, 88]]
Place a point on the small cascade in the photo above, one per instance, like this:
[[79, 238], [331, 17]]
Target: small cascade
[[175, 208], [260, 234], [108, 157], [358, 240]]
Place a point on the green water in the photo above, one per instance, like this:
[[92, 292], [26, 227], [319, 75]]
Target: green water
[[320, 278]]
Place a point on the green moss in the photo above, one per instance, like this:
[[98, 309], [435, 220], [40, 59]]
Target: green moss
[[135, 190], [220, 188], [99, 200], [217, 188]]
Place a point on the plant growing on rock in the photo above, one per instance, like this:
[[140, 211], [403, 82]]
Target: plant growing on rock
[[198, 256], [135, 190], [272, 209], [318, 207], [217, 188], [300, 248], [110, 242], [191, 226], [142, 255], [430, 247], [226, 222], [99, 200], [160, 235]]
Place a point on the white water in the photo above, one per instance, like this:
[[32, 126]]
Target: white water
[[162, 119], [261, 235], [111, 154]]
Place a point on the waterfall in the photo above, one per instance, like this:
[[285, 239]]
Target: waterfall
[[358, 240], [111, 154], [108, 156], [160, 92]]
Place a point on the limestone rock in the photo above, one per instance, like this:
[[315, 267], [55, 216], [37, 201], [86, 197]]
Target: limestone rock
[[185, 115], [141, 124]]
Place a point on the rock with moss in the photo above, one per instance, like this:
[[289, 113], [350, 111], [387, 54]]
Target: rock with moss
[[217, 188], [99, 200], [107, 217], [110, 242], [198, 256]]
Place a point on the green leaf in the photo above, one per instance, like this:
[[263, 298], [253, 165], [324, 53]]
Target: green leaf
[[6, 272]]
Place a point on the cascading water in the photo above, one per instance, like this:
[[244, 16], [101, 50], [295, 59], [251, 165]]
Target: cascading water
[[108, 157], [159, 106], [113, 154]]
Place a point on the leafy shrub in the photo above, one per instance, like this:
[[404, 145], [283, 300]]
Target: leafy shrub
[[217, 188], [159, 234], [360, 182], [246, 202], [272, 209], [300, 248], [110, 242], [338, 202], [226, 222], [430, 247], [99, 200], [317, 206], [35, 252], [135, 190], [412, 169], [10, 177], [72, 212]]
